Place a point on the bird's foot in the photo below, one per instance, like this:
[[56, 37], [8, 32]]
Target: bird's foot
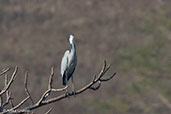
[[67, 94], [74, 93]]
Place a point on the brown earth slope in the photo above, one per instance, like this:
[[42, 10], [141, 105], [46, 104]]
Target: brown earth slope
[[133, 35]]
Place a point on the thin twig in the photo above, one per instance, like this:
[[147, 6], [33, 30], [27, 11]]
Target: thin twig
[[48, 112], [8, 95], [4, 71], [46, 93], [10, 82], [50, 89], [107, 79], [97, 87], [21, 103], [12, 104], [26, 88], [51, 78]]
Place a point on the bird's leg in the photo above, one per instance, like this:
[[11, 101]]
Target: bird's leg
[[66, 92], [73, 88]]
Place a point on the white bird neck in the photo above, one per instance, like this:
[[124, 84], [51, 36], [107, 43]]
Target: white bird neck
[[73, 49], [73, 46], [71, 41]]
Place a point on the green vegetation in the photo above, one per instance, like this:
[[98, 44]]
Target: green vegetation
[[108, 106], [157, 22], [148, 66]]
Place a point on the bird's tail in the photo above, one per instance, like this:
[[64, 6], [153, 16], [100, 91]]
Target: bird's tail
[[64, 81]]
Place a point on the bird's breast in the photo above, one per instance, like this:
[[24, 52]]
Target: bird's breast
[[72, 59]]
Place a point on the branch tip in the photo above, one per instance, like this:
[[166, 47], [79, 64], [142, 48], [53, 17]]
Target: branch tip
[[3, 71]]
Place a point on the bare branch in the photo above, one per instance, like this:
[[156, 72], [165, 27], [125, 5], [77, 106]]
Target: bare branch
[[48, 112], [7, 100], [50, 89], [47, 93], [95, 84], [97, 87], [12, 104], [88, 86], [107, 79], [51, 78], [3, 71], [26, 89], [21, 103], [6, 80], [8, 95], [10, 82]]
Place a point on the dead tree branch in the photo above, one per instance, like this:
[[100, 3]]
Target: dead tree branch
[[97, 80], [8, 95], [48, 112], [10, 82], [26, 89], [3, 71]]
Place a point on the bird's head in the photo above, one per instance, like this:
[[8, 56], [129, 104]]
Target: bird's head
[[71, 38]]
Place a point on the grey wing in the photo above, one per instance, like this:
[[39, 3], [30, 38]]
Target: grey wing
[[71, 70], [64, 63], [71, 67]]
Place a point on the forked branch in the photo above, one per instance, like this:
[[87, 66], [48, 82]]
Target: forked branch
[[3, 71], [97, 80]]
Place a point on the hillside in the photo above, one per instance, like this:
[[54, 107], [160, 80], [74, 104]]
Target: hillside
[[133, 35]]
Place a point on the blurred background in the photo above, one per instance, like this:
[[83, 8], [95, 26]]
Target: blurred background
[[133, 35]]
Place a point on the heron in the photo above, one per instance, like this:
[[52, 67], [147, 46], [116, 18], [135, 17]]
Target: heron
[[68, 64]]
